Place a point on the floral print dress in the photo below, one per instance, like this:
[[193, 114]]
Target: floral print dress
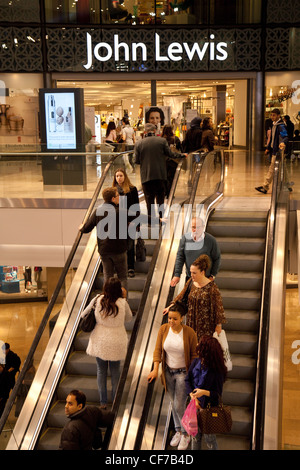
[[205, 308]]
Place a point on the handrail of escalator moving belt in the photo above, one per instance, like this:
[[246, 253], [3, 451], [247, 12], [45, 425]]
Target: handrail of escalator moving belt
[[54, 296], [261, 373], [145, 411], [140, 312]]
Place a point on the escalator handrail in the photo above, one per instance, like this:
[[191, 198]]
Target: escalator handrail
[[54, 296], [212, 199], [263, 337]]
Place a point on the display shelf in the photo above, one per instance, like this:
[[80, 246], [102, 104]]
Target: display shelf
[[223, 134]]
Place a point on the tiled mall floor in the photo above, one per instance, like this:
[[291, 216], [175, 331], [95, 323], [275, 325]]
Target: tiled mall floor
[[244, 171]]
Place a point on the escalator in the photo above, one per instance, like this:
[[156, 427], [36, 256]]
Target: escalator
[[142, 410], [64, 365], [251, 281]]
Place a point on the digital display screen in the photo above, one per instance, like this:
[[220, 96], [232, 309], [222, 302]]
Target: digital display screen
[[60, 120]]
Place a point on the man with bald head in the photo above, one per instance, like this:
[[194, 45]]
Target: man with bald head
[[191, 246]]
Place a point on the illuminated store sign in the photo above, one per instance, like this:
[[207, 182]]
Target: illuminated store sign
[[174, 52]]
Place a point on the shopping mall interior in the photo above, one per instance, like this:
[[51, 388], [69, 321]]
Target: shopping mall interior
[[49, 270]]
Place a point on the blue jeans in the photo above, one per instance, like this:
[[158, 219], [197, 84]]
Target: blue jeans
[[102, 367], [176, 390], [210, 439]]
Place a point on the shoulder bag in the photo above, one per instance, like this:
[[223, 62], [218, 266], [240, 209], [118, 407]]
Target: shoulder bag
[[185, 297], [88, 322], [215, 419]]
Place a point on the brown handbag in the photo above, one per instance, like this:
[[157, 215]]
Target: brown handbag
[[215, 419]]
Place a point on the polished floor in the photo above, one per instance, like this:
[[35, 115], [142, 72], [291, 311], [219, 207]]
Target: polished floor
[[244, 171]]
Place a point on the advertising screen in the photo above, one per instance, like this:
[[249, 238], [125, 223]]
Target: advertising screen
[[60, 120]]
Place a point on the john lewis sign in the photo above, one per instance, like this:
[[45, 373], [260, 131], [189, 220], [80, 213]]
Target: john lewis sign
[[174, 52]]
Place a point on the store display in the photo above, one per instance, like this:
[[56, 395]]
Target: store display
[[223, 134], [9, 283]]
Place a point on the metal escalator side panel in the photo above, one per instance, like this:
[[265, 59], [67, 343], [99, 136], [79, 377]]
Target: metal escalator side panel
[[273, 392], [44, 384]]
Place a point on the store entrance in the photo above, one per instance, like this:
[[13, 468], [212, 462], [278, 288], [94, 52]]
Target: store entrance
[[224, 101]]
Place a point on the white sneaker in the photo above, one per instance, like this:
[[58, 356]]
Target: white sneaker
[[175, 439], [184, 442]]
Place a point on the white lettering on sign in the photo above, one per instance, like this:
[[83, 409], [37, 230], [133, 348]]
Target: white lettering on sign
[[174, 52], [296, 354]]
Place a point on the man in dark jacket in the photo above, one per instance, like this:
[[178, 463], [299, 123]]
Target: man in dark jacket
[[192, 141], [111, 237], [278, 141], [113, 231], [12, 364], [151, 154], [82, 431], [191, 246]]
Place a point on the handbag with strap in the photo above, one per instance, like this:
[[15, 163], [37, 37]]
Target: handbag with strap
[[88, 322], [215, 419]]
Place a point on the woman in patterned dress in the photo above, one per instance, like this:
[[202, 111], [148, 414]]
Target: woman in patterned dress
[[205, 311]]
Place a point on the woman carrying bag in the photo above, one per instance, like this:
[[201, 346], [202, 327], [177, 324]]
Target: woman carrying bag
[[175, 349], [203, 300], [108, 340], [204, 382]]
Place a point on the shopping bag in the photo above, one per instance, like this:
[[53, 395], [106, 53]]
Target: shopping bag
[[222, 338], [189, 420]]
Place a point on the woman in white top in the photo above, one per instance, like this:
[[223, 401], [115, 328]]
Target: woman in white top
[[108, 340], [176, 349]]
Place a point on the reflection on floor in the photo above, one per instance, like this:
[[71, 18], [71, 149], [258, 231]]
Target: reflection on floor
[[244, 171]]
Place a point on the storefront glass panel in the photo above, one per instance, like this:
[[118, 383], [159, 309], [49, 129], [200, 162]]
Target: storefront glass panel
[[72, 11], [22, 11], [151, 12], [214, 99]]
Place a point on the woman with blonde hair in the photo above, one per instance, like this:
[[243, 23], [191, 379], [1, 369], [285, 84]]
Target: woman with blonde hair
[[128, 198]]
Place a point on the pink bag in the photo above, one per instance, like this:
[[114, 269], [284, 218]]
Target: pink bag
[[189, 420]]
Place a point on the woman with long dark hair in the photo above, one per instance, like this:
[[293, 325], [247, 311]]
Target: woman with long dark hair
[[108, 340], [204, 382], [127, 190], [111, 133], [208, 139]]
